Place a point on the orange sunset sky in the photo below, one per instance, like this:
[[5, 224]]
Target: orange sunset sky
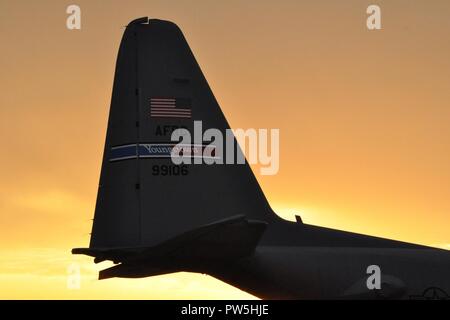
[[364, 119]]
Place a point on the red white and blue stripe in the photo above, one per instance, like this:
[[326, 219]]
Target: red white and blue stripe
[[161, 150]]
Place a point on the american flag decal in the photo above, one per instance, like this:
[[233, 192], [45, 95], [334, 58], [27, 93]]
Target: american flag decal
[[170, 108]]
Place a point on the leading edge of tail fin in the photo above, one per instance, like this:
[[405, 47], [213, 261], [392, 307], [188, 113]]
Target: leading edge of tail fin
[[143, 197]]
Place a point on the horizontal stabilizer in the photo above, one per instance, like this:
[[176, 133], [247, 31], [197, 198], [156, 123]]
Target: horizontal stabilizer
[[225, 240]]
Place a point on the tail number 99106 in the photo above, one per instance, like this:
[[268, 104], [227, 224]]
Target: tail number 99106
[[169, 170]]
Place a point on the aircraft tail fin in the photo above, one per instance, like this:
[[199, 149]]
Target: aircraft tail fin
[[144, 198]]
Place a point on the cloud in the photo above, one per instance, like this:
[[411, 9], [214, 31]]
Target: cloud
[[44, 218], [51, 201], [35, 261]]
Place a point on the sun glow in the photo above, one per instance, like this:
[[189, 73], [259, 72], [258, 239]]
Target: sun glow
[[363, 120]]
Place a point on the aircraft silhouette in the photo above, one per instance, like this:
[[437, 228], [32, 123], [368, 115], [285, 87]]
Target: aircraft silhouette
[[153, 217]]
